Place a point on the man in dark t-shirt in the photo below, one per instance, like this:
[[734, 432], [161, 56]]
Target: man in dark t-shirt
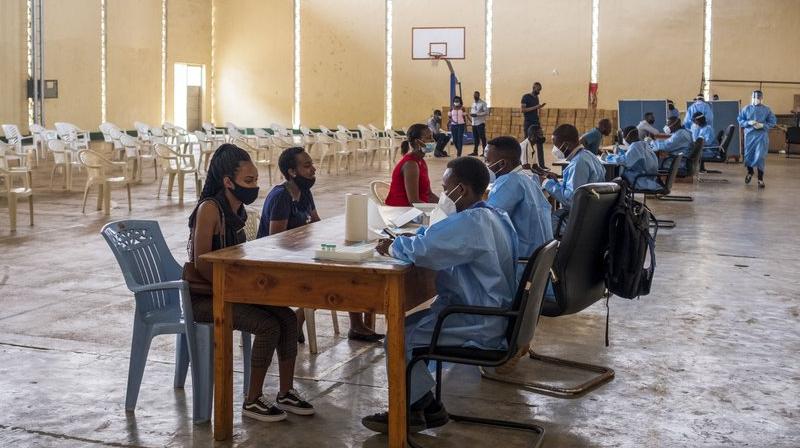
[[530, 109]]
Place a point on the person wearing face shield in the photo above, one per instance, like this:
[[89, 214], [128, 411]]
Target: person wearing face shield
[[756, 119], [672, 111], [291, 205], [637, 160], [217, 222], [458, 119], [410, 182], [518, 194], [583, 168], [592, 139], [474, 252], [701, 129], [699, 105]]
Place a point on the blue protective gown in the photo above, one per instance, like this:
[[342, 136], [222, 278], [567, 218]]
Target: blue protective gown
[[679, 142], [592, 140], [584, 168], [756, 141], [637, 160], [673, 113], [709, 140], [698, 106], [474, 253], [520, 195]]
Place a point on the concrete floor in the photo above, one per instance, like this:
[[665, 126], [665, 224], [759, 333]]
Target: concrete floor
[[710, 358]]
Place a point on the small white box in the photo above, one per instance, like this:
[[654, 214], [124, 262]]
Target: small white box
[[346, 253]]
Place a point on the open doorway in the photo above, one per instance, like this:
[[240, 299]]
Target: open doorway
[[189, 83]]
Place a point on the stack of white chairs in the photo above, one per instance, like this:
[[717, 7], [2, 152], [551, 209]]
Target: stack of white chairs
[[75, 138], [39, 140], [217, 135], [106, 129], [64, 159], [370, 145], [24, 154]]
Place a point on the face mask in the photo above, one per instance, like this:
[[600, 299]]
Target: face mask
[[671, 107], [456, 104], [492, 172], [304, 183], [756, 101], [651, 121], [445, 207], [429, 147], [245, 194], [557, 153]]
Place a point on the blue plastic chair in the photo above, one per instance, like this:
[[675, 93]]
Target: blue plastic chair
[[163, 306]]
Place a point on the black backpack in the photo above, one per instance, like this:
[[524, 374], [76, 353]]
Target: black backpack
[[630, 259]]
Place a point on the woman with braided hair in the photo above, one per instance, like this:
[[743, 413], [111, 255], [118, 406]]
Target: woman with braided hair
[[410, 181], [218, 221]]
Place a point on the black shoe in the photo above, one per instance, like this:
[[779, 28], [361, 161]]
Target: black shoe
[[435, 415], [748, 178], [371, 337], [293, 402], [380, 422], [301, 338], [440, 154], [761, 184], [263, 410], [473, 153]]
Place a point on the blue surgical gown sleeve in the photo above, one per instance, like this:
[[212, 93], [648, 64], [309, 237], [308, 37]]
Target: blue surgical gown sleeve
[[771, 121], [744, 118], [574, 174]]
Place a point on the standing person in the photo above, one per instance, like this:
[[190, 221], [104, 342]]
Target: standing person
[[217, 222], [410, 180], [672, 111], [474, 253], [699, 105], [440, 137], [756, 119], [291, 205], [479, 111], [530, 109], [457, 119], [592, 139]]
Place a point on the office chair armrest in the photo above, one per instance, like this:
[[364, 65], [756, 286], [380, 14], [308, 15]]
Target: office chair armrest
[[462, 309], [181, 285]]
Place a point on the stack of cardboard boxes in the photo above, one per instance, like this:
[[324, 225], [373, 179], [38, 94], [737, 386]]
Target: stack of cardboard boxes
[[509, 121]]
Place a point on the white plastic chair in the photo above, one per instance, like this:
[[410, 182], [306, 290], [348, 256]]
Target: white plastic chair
[[9, 191], [64, 159], [369, 146], [342, 151], [261, 156], [174, 164], [218, 135], [208, 146], [39, 142], [378, 191], [107, 129], [278, 129], [394, 145], [24, 154], [100, 173], [76, 139], [142, 131], [137, 152]]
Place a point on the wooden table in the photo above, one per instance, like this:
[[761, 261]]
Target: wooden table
[[280, 270]]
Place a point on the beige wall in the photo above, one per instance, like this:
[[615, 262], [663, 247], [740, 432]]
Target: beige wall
[[660, 56], [133, 55], [525, 48], [13, 64], [343, 62], [72, 56], [254, 69], [757, 41], [188, 42], [418, 87]]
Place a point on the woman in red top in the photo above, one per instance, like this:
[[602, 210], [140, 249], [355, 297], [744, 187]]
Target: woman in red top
[[410, 181]]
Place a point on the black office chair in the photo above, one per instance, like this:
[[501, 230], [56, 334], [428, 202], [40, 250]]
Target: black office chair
[[578, 281], [691, 170], [522, 318], [792, 138], [720, 154], [665, 180]]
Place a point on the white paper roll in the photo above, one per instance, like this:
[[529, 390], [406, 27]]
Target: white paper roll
[[355, 212]]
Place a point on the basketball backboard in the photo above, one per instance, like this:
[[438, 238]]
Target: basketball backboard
[[429, 42]]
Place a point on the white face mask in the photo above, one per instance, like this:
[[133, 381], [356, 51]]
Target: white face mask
[[445, 207], [492, 175], [557, 153], [756, 101]]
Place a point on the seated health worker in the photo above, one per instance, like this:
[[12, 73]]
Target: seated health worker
[[520, 195], [218, 221], [592, 139], [291, 205], [410, 181], [474, 251], [679, 141], [636, 161]]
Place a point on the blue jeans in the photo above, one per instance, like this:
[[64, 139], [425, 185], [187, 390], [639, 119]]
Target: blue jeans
[[458, 136]]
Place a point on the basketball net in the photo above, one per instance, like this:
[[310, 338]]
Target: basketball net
[[435, 58]]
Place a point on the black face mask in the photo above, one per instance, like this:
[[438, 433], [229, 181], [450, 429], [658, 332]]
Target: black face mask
[[651, 121], [304, 183], [245, 194], [671, 107]]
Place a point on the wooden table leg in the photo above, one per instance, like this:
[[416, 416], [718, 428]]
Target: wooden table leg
[[223, 358], [395, 333]]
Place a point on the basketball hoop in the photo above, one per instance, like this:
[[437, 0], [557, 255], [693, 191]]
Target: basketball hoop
[[435, 57]]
